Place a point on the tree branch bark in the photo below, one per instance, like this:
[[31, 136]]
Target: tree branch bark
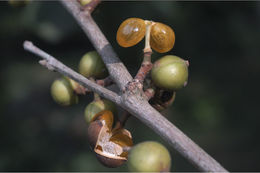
[[135, 104], [54, 65], [116, 68]]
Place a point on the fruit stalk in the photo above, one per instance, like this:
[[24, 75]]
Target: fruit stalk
[[146, 64]]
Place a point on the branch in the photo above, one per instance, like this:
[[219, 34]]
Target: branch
[[135, 104], [139, 107], [116, 68], [53, 64]]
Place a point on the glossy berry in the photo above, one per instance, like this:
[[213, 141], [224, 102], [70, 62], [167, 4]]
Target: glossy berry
[[91, 65], [149, 157], [162, 38], [170, 73], [62, 92], [97, 106], [130, 32]]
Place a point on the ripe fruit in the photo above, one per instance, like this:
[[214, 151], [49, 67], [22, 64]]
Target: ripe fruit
[[149, 157], [91, 65], [97, 106], [170, 73], [130, 32], [162, 38], [62, 92], [107, 143]]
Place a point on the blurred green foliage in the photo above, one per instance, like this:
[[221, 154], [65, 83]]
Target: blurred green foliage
[[219, 108]]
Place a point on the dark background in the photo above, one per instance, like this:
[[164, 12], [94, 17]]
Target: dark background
[[219, 108]]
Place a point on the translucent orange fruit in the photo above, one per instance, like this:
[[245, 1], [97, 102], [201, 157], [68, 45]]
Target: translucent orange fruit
[[162, 38], [130, 32]]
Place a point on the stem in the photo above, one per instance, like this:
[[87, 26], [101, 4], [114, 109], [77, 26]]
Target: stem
[[146, 64], [53, 64], [96, 96], [116, 68]]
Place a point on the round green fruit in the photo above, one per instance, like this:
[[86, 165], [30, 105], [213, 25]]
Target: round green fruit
[[170, 73], [84, 2], [62, 92], [91, 65], [149, 157], [97, 106]]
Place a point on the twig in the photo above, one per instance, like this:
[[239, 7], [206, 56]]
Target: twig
[[146, 64], [140, 108], [51, 63], [115, 67]]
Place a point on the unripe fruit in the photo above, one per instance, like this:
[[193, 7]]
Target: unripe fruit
[[170, 73], [62, 92], [97, 106], [84, 2], [130, 32], [149, 157], [91, 65], [162, 37]]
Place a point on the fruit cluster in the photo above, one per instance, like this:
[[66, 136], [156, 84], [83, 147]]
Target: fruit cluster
[[111, 142]]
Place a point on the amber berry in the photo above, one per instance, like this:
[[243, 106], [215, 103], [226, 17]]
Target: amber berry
[[130, 32], [149, 157], [162, 37], [91, 65], [170, 73], [97, 106], [62, 92]]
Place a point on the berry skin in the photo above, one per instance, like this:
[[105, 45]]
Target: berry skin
[[95, 107], [62, 92], [170, 73], [108, 143], [130, 32], [91, 65], [149, 157], [162, 37]]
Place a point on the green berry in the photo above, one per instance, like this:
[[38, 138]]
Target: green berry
[[97, 106], [149, 157], [170, 73], [91, 65], [84, 2], [62, 92]]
